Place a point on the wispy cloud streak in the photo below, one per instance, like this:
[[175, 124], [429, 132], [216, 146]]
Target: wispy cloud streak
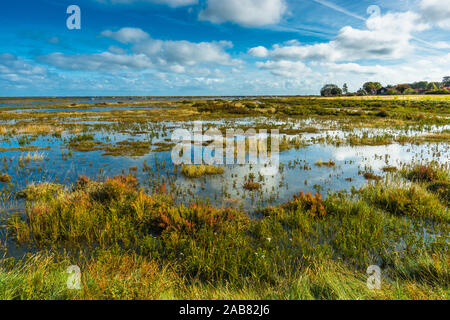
[[339, 9]]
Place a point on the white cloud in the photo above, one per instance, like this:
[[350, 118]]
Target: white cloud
[[441, 45], [19, 76], [284, 68], [355, 55], [385, 37], [248, 13], [102, 62], [436, 12], [15, 69], [259, 52], [321, 51], [185, 53], [127, 35], [147, 53], [355, 68], [116, 50], [53, 40], [171, 3]]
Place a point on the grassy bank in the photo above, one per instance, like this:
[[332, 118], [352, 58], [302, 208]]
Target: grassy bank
[[132, 245]]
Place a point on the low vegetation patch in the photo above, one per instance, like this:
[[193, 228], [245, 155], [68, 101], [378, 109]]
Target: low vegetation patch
[[252, 185], [426, 173], [128, 148], [5, 178], [114, 211], [371, 176], [140, 246], [412, 201], [390, 169], [84, 143], [329, 163], [197, 171], [433, 177], [365, 140]]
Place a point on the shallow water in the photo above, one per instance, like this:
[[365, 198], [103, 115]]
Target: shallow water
[[298, 171]]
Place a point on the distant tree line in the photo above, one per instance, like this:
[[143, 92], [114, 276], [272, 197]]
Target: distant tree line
[[375, 88]]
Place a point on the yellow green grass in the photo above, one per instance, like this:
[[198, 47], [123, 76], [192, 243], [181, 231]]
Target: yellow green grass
[[132, 245], [197, 171]]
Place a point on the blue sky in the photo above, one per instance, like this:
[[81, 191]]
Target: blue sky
[[219, 47]]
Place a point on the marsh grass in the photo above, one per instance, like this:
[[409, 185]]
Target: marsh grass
[[110, 276], [87, 143], [24, 149], [330, 163], [123, 276], [389, 169], [412, 201], [371, 176], [36, 156], [41, 192], [5, 178], [131, 244], [163, 146], [30, 129], [128, 148], [433, 177], [252, 185], [84, 143], [426, 173], [365, 140], [197, 171], [287, 143], [152, 248]]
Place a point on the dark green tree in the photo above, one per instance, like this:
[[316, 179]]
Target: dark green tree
[[432, 86], [410, 91], [420, 85], [446, 81], [371, 87], [402, 87], [391, 91], [330, 90], [345, 88], [361, 92]]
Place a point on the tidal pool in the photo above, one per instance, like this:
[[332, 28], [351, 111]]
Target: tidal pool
[[298, 171], [36, 157]]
